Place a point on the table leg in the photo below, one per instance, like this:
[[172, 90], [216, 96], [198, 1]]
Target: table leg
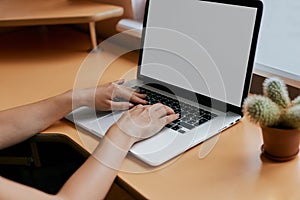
[[93, 34]]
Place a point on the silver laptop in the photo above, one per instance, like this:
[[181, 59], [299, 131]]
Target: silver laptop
[[197, 57]]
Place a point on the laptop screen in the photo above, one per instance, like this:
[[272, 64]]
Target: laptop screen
[[206, 47]]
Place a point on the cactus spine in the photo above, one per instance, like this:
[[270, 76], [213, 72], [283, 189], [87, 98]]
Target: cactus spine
[[276, 90], [296, 101], [261, 110], [291, 118], [274, 109]]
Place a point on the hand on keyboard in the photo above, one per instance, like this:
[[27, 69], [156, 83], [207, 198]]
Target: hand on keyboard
[[189, 116], [143, 121]]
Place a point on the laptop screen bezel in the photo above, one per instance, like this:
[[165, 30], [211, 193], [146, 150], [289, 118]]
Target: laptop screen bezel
[[207, 101]]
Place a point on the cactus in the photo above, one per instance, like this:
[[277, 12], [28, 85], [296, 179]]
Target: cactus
[[291, 118], [276, 90], [274, 109], [261, 110], [296, 101]]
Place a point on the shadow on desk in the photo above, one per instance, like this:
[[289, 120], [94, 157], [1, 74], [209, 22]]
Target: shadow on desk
[[45, 162]]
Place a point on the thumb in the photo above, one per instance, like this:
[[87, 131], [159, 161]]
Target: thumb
[[119, 82]]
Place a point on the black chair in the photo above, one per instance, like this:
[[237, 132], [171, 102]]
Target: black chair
[[44, 161]]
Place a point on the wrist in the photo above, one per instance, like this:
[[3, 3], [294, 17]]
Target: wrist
[[80, 97], [119, 138], [109, 154]]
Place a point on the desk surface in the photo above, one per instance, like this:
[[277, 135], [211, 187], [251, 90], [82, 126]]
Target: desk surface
[[233, 170], [41, 12]]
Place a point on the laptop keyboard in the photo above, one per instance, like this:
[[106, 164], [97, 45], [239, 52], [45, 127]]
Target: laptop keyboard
[[189, 116]]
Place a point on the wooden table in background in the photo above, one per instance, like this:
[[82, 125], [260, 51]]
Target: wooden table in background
[[49, 12]]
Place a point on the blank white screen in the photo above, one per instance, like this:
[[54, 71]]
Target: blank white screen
[[199, 46]]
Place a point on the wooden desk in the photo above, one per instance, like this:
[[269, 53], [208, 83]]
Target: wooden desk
[[41, 12], [232, 171]]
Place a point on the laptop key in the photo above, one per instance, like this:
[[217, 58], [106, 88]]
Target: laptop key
[[181, 131], [186, 125], [206, 116], [176, 127], [169, 125], [201, 121]]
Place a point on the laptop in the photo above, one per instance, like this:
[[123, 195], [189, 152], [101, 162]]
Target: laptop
[[197, 57]]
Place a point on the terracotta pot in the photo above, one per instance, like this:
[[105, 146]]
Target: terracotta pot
[[280, 144]]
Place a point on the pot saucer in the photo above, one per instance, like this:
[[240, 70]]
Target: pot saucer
[[277, 158]]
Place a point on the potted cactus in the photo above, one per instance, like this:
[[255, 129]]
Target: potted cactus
[[278, 117]]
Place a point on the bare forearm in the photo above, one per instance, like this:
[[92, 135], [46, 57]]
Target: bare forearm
[[22, 122], [94, 178]]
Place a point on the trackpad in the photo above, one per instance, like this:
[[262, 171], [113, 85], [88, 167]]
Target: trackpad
[[101, 125]]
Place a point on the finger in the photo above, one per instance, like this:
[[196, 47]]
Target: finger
[[121, 105], [130, 94], [119, 82], [169, 110], [138, 98], [130, 90], [158, 111], [139, 95], [169, 118]]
